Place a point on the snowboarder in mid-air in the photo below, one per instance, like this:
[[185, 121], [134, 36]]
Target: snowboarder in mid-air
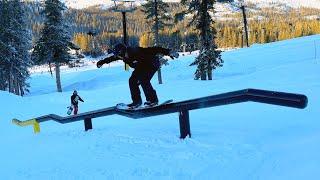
[[145, 62], [75, 98]]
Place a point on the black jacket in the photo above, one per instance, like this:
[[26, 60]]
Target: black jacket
[[75, 99], [139, 58]]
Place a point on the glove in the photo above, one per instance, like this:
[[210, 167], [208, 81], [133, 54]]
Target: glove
[[173, 54], [100, 63]]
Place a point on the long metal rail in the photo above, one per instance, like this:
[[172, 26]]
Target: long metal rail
[[255, 95]]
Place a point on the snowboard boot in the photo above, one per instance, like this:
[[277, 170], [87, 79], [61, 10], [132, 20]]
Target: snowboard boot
[[150, 104], [134, 105]]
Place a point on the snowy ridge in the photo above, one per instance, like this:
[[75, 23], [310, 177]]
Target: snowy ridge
[[290, 3], [80, 4]]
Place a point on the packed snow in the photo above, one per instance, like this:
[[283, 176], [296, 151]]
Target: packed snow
[[240, 141]]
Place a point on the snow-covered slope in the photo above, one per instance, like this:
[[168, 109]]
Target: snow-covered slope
[[79, 4], [240, 141], [290, 3]]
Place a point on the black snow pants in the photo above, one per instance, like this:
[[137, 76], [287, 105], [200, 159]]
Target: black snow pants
[[142, 77]]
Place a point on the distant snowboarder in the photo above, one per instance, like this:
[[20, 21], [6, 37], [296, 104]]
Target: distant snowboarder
[[75, 98], [145, 62]]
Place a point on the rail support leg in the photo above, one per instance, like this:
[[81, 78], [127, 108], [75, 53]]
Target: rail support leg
[[87, 124], [184, 124]]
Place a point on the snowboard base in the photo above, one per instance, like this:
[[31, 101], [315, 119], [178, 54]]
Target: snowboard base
[[123, 106]]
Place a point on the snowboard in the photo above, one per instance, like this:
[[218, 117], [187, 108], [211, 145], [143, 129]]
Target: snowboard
[[70, 109], [123, 106]]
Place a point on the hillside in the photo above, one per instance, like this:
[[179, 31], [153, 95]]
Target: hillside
[[241, 141], [289, 3], [265, 25], [79, 4]]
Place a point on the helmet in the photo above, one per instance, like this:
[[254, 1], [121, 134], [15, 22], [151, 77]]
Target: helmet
[[119, 49], [75, 92]]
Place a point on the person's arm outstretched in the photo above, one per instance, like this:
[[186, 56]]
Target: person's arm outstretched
[[163, 51], [80, 99], [107, 61]]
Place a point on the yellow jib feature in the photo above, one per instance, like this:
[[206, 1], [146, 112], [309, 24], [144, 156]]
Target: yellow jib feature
[[34, 122]]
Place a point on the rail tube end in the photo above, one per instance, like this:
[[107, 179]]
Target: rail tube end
[[33, 122]]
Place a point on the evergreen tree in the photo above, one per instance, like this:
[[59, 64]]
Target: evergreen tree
[[55, 40], [5, 48], [15, 43], [209, 57], [155, 11]]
